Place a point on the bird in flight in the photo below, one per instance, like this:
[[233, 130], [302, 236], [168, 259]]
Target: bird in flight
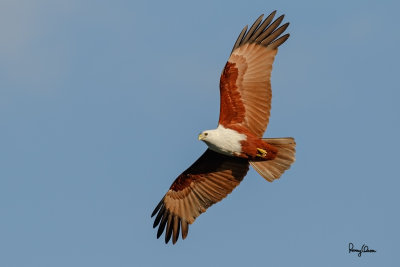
[[237, 142]]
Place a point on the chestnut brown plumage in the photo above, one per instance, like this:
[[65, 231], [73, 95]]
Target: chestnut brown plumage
[[245, 95]]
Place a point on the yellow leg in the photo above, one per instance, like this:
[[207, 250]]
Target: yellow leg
[[261, 153]]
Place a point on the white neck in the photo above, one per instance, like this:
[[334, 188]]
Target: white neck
[[225, 141]]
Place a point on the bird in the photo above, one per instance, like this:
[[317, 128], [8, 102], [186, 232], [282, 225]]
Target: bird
[[237, 142]]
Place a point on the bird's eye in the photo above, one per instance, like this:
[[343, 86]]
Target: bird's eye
[[205, 134]]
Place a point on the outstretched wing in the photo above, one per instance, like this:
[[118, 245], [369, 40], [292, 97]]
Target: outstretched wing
[[245, 87], [210, 179]]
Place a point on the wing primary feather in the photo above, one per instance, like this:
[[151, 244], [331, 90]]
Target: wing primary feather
[[175, 233], [168, 231], [159, 216], [185, 229], [252, 29], [270, 29], [239, 39], [262, 27], [279, 41], [157, 208], [162, 224], [275, 34]]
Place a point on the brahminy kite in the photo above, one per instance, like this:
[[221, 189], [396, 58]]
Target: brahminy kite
[[245, 92]]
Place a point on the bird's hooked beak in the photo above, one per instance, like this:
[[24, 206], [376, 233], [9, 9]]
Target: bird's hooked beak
[[201, 137]]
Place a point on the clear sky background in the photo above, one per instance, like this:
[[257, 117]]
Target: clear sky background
[[101, 103]]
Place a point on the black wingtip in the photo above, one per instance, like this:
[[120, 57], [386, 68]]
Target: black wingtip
[[162, 225], [261, 32], [280, 18], [158, 218], [168, 231], [157, 207]]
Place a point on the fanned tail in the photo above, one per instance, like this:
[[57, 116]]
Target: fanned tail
[[273, 169]]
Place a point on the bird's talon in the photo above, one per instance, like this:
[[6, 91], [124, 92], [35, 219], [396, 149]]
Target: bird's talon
[[261, 153]]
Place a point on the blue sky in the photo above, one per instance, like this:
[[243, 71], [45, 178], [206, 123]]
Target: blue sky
[[101, 103]]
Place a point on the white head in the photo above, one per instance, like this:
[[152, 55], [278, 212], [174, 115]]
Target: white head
[[223, 140], [208, 136]]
